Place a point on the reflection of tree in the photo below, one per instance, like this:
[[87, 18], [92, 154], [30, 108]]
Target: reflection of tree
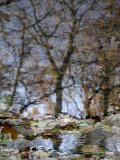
[[108, 60], [18, 72], [46, 37], [54, 35], [6, 2]]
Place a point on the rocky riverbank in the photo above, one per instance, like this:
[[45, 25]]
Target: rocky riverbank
[[64, 138]]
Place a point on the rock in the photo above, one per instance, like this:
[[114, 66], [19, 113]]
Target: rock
[[3, 107], [109, 153], [119, 95], [92, 149], [117, 108], [114, 120], [16, 108], [41, 154], [53, 154], [115, 130], [98, 125], [107, 128], [66, 118], [41, 143], [117, 147], [96, 157], [13, 158], [85, 123], [73, 157], [110, 109]]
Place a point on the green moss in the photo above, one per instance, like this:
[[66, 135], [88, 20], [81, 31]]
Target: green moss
[[3, 138], [83, 123], [9, 100]]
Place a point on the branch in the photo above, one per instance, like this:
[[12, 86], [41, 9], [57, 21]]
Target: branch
[[46, 95], [4, 3], [89, 8]]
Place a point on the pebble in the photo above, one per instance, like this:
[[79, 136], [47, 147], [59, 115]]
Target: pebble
[[109, 153]]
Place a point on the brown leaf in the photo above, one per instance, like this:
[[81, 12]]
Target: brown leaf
[[9, 130]]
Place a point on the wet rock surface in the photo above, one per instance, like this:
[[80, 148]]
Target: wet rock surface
[[72, 140]]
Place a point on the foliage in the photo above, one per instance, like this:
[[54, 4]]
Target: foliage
[[9, 100]]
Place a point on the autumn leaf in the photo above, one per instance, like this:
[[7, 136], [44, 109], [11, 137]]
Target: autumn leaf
[[9, 130]]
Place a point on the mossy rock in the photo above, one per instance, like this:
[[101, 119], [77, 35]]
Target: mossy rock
[[87, 129], [84, 123], [92, 149], [107, 128], [98, 125]]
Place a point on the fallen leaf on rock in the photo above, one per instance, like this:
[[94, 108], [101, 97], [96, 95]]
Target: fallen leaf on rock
[[9, 130]]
